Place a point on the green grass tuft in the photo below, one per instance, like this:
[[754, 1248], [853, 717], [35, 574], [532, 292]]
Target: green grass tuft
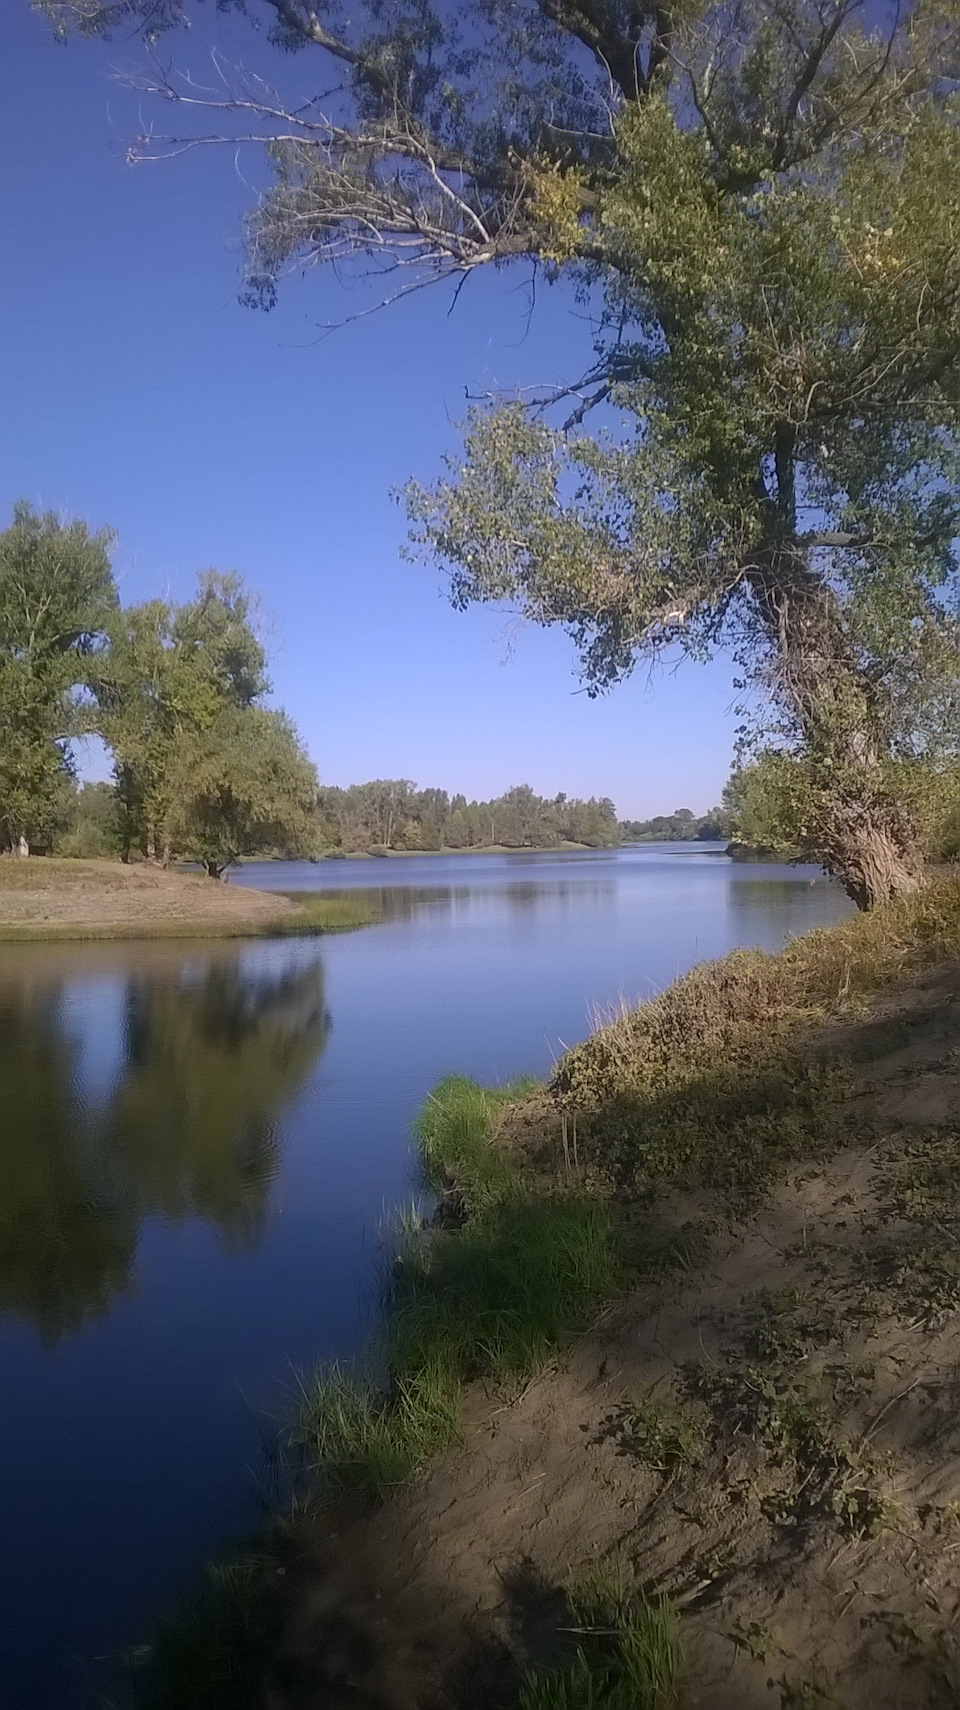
[[495, 1299], [368, 1439], [317, 911], [455, 1131], [499, 1297], [630, 1659], [210, 1653]]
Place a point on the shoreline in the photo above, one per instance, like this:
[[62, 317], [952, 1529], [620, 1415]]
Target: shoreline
[[384, 854], [658, 1349], [49, 899]]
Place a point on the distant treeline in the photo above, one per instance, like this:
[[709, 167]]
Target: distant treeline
[[391, 813], [681, 826]]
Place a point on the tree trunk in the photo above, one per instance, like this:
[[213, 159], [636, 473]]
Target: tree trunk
[[166, 857], [862, 835], [23, 847], [869, 844]]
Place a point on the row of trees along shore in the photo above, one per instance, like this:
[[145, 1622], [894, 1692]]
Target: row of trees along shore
[[201, 768], [760, 207], [393, 814]]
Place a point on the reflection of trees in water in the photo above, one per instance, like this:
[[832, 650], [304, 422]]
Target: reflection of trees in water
[[521, 896], [67, 1234], [208, 1065], [190, 1128]]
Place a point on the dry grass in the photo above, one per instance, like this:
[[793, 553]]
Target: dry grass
[[732, 1008], [715, 1083], [47, 898]]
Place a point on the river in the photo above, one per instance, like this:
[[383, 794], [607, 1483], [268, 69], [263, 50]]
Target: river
[[198, 1146]]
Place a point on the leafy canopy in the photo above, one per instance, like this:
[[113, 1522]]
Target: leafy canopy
[[57, 597], [169, 669], [239, 786]]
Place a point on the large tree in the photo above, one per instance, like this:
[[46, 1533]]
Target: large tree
[[57, 597], [169, 671], [763, 196], [241, 785]]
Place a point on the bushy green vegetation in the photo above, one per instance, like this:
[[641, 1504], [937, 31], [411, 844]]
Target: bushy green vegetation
[[494, 1299], [777, 803], [57, 596], [391, 813], [90, 823]]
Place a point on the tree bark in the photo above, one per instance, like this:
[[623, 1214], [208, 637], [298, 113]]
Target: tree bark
[[864, 838], [872, 852]]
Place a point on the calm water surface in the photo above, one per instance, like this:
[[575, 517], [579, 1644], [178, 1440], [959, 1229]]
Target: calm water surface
[[198, 1144]]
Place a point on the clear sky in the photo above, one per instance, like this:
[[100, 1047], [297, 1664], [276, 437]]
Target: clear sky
[[137, 392]]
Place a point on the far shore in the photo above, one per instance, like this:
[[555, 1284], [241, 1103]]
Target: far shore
[[51, 898], [384, 854]]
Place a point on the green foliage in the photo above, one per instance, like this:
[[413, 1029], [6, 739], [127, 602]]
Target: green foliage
[[746, 199], [169, 672], [663, 1438], [57, 596], [781, 803], [240, 785], [390, 813], [681, 826], [795, 1424], [91, 823], [630, 1657]]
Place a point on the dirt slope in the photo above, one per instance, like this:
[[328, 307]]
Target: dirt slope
[[771, 1436]]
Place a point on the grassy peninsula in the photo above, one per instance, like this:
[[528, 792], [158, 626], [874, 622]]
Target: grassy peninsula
[[670, 1418], [49, 898]]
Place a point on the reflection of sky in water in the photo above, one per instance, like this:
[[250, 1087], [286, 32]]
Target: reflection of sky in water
[[198, 1148], [91, 1014]]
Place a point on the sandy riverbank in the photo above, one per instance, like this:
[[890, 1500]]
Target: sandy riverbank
[[45, 898], [761, 1430]]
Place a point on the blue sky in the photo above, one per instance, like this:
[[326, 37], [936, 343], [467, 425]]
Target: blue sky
[[138, 392]]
